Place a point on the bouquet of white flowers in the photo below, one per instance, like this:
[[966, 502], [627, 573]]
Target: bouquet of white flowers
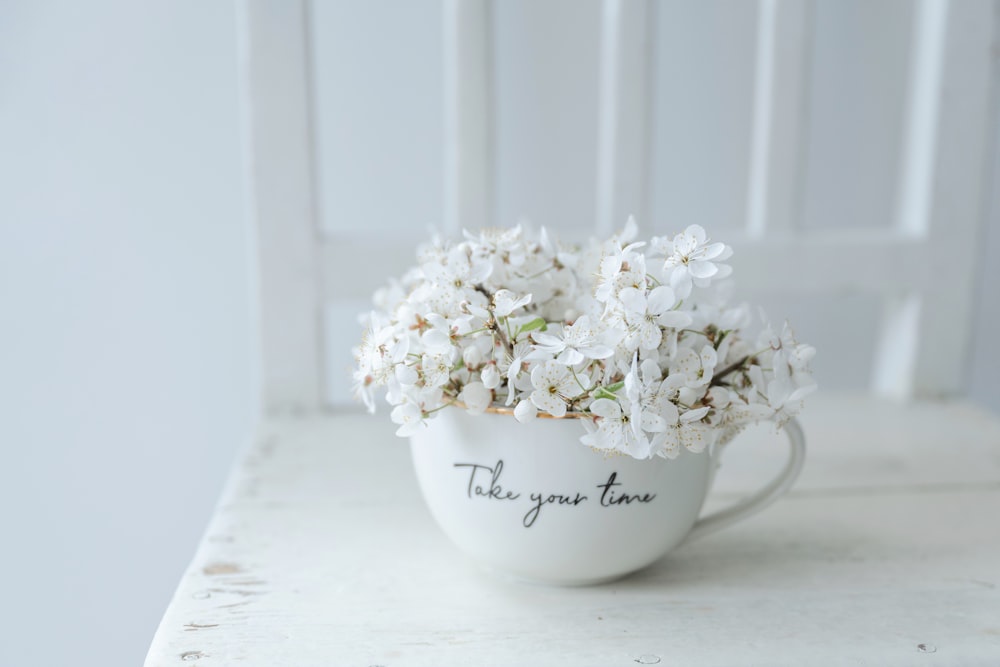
[[629, 337]]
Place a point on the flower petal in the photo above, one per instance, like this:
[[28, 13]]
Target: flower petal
[[490, 376], [702, 269], [693, 438], [693, 415], [476, 397], [680, 281], [633, 300], [675, 319], [713, 250], [652, 422], [671, 444], [660, 299], [606, 408], [549, 402], [650, 336], [436, 340], [525, 411], [406, 374], [698, 232], [637, 446], [669, 413]]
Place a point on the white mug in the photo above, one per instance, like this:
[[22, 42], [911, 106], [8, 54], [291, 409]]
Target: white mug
[[531, 501]]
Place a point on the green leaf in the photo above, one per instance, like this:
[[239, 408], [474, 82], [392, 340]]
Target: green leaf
[[538, 323], [609, 391]]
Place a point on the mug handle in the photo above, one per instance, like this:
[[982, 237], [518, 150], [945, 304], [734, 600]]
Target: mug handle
[[758, 501]]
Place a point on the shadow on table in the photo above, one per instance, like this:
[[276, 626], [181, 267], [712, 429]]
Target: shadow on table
[[754, 560]]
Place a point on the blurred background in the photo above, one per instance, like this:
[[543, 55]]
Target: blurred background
[[129, 340]]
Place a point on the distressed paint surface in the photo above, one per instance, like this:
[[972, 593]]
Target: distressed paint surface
[[322, 553]]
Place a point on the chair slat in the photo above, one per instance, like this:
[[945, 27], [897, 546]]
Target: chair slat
[[779, 116], [622, 155], [278, 146], [468, 131]]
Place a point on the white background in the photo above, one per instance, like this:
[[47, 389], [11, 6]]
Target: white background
[[127, 316], [126, 363]]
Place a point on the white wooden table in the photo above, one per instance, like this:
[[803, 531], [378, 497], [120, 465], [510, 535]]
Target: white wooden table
[[887, 552]]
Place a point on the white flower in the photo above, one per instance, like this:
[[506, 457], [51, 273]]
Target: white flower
[[681, 429], [718, 397], [525, 411], [436, 369], [516, 371], [584, 339], [379, 349], [514, 317], [472, 356], [437, 338], [409, 416], [376, 358], [697, 369], [506, 302], [490, 376], [790, 357], [476, 397], [723, 318], [740, 411], [628, 232], [556, 294], [800, 356], [786, 399], [652, 392], [460, 268], [502, 247], [390, 297], [623, 267], [615, 429], [452, 280], [553, 384], [406, 375], [478, 310], [552, 248], [691, 258], [757, 381], [364, 388], [645, 314]]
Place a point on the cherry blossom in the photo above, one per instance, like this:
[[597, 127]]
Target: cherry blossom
[[681, 429], [409, 416], [584, 339], [692, 260], [635, 338], [506, 302], [525, 411], [646, 314], [476, 397], [490, 376], [553, 384], [616, 429]]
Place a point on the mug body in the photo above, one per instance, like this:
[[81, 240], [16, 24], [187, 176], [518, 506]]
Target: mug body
[[530, 500]]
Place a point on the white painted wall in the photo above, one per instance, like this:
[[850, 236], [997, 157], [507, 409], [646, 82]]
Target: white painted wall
[[126, 374]]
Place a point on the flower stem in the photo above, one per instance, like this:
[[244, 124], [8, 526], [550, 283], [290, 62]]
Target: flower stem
[[731, 368], [427, 413], [694, 331], [540, 273]]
